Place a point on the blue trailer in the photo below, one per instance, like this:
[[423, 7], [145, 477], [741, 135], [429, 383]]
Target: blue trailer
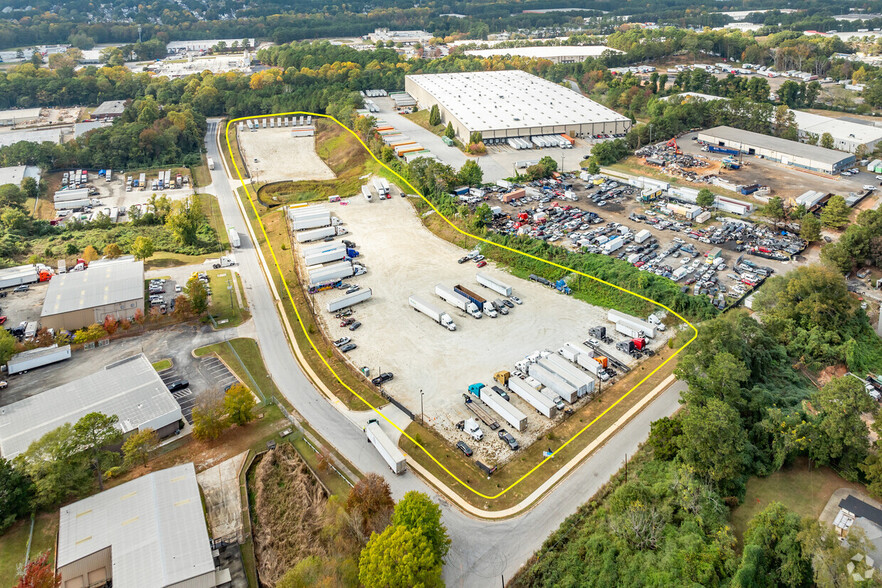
[[726, 150], [462, 291]]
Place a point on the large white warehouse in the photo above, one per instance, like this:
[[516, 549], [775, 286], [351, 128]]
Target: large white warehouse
[[511, 103]]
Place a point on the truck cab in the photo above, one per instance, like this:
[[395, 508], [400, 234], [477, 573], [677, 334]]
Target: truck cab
[[474, 429], [472, 309], [489, 311], [500, 307]]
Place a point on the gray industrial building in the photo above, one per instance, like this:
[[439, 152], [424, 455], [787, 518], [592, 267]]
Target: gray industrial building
[[130, 389], [107, 288], [793, 153], [512, 103], [147, 533], [109, 110]]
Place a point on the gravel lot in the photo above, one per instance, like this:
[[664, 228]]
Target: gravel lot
[[282, 157], [403, 258]]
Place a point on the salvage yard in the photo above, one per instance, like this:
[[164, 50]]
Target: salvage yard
[[403, 258]]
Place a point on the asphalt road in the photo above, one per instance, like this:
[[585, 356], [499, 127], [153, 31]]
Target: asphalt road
[[481, 552]]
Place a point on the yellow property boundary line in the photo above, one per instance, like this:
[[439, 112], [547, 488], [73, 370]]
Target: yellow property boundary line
[[415, 191]]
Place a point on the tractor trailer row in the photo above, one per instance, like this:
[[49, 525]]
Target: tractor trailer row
[[457, 300], [500, 406]]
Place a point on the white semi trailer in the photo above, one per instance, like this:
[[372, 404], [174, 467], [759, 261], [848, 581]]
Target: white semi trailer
[[432, 311], [385, 447]]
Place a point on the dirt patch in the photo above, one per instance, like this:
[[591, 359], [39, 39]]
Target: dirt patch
[[273, 155], [288, 510], [828, 373]]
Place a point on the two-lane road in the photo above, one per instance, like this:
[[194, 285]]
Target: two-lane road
[[482, 552]]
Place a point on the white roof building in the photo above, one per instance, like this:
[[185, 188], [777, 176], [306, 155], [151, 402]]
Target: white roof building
[[17, 115], [31, 136], [847, 135], [130, 389], [16, 173], [554, 53], [512, 103], [147, 533]]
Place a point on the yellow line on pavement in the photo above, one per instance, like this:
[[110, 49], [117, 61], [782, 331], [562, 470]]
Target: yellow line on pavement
[[551, 263]]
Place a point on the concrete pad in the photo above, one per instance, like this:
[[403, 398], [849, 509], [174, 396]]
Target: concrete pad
[[282, 157], [223, 501]]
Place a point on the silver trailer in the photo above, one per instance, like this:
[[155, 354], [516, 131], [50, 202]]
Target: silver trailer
[[551, 380], [534, 398], [349, 300], [34, 358], [505, 409], [570, 372], [385, 447], [497, 286], [614, 316]]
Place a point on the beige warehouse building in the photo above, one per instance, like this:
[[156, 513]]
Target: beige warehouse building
[[107, 288]]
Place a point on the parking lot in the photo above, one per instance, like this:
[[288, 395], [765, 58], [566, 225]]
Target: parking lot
[[432, 366], [273, 155], [210, 374], [22, 307]]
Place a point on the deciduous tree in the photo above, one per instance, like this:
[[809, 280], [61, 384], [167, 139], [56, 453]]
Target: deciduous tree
[[417, 511], [399, 557], [39, 573], [714, 442], [94, 433], [843, 437], [470, 173], [197, 294], [239, 404], [137, 447], [370, 502], [16, 491], [90, 254], [705, 198], [142, 248], [112, 251], [773, 554], [208, 417]]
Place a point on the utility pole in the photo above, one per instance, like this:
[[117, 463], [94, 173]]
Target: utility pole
[[626, 468], [422, 414], [650, 133]]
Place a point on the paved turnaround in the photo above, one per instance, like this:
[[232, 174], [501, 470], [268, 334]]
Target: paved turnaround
[[482, 552]]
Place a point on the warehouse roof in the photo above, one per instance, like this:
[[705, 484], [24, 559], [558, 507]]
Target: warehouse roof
[[103, 283], [31, 136], [154, 526], [840, 129], [511, 99], [20, 114], [109, 107], [546, 52], [131, 389], [796, 148], [19, 270], [16, 173]]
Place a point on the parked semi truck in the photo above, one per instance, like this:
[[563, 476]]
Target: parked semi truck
[[583, 382], [366, 192], [634, 324], [494, 284], [381, 187], [478, 300], [334, 271], [543, 405], [551, 380], [458, 300], [316, 234], [509, 413], [234, 238], [433, 312], [349, 300], [335, 254], [34, 358], [385, 447]]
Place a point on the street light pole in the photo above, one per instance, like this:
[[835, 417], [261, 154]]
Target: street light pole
[[422, 414]]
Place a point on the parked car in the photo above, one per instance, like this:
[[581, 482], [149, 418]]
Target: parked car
[[177, 385], [462, 259], [508, 303], [354, 325], [516, 300], [348, 347], [512, 442], [3, 384], [482, 263], [382, 378], [346, 322], [22, 288], [342, 341], [466, 450]]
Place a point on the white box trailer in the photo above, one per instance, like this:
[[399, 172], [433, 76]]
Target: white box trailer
[[16, 276], [432, 311], [570, 372], [324, 257], [313, 221], [589, 363], [642, 236], [73, 204], [211, 161], [349, 300], [316, 234], [577, 383], [322, 247], [329, 273], [234, 238], [532, 397], [497, 286], [68, 195], [295, 210], [34, 358], [385, 447], [503, 408], [380, 187], [458, 300], [571, 351], [366, 192], [551, 380], [636, 324]]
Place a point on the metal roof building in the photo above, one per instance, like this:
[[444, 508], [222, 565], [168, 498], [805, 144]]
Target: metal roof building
[[31, 136], [793, 153], [17, 115], [147, 533], [511, 103], [131, 389], [16, 173], [847, 135], [78, 299], [554, 53], [109, 109]]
